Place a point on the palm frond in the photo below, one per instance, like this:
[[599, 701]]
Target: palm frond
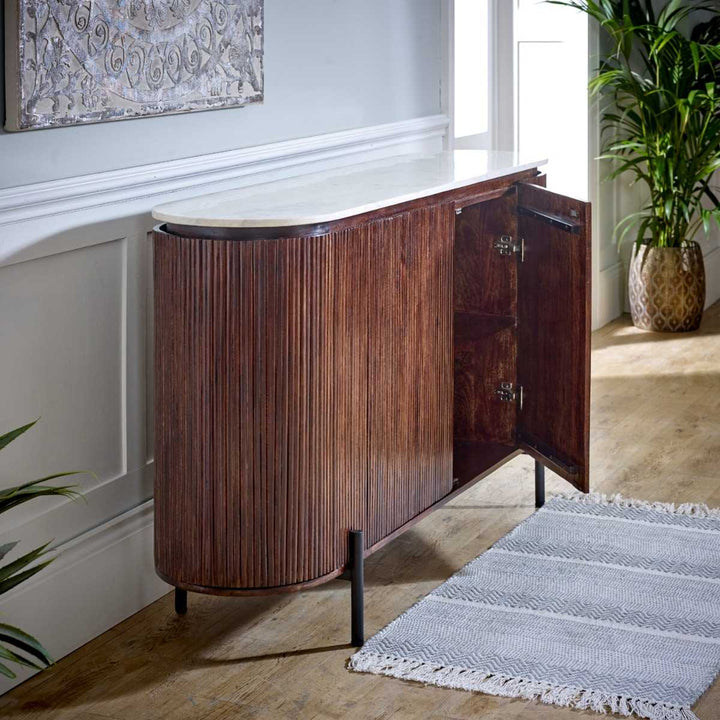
[[17, 571], [660, 109], [13, 496], [8, 437], [15, 640]]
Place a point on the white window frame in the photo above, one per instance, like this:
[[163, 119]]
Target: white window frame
[[501, 70]]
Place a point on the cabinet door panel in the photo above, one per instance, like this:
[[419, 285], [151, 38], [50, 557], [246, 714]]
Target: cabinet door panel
[[410, 366], [485, 281], [485, 357], [554, 330]]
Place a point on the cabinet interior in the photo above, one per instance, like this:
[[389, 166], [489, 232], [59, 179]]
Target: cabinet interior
[[485, 295], [521, 268]]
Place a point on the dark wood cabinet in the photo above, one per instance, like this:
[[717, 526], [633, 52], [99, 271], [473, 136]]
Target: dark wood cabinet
[[356, 374]]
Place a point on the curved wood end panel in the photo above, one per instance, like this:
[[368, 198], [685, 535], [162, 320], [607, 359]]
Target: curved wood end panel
[[261, 407]]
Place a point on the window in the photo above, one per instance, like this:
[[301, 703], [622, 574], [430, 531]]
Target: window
[[472, 73]]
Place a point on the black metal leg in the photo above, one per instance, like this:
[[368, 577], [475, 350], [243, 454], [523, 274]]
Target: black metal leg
[[357, 589], [539, 484], [180, 601]]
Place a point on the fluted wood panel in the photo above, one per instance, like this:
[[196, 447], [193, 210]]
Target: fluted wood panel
[[410, 372], [261, 407]]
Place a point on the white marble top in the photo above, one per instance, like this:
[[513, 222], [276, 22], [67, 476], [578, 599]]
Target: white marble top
[[343, 192]]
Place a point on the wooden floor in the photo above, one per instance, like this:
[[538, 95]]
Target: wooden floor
[[655, 435]]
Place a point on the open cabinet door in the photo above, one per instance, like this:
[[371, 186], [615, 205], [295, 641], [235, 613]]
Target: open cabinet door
[[554, 331]]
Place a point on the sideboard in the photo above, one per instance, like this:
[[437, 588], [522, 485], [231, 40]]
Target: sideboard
[[337, 355]]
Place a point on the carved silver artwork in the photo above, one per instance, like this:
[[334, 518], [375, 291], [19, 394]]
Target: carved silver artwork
[[83, 61]]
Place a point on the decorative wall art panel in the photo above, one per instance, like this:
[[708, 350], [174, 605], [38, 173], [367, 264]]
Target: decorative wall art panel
[[83, 61]]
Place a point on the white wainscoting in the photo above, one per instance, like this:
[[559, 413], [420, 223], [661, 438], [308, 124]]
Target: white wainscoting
[[76, 334]]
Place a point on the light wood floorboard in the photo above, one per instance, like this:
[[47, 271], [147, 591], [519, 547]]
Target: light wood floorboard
[[655, 435]]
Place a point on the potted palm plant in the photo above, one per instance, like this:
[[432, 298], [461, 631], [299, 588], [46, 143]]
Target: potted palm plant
[[661, 125]]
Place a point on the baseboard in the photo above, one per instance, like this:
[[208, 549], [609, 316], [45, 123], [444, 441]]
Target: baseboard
[[99, 579], [712, 276], [610, 303]]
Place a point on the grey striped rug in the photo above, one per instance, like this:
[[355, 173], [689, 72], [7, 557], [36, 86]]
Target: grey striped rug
[[592, 603]]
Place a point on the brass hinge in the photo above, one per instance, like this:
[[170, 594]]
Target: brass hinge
[[507, 392], [506, 246]]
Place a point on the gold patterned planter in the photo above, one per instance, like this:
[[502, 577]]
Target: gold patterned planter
[[667, 288]]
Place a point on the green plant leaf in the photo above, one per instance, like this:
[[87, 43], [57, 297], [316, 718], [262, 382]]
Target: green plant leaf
[[696, 57], [26, 643], [6, 548], [15, 580], [8, 654], [14, 496], [15, 566], [660, 111], [706, 217], [8, 437]]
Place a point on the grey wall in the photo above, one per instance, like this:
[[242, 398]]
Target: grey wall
[[329, 65]]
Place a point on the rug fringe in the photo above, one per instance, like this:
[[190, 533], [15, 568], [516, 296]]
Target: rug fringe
[[694, 509], [504, 686]]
